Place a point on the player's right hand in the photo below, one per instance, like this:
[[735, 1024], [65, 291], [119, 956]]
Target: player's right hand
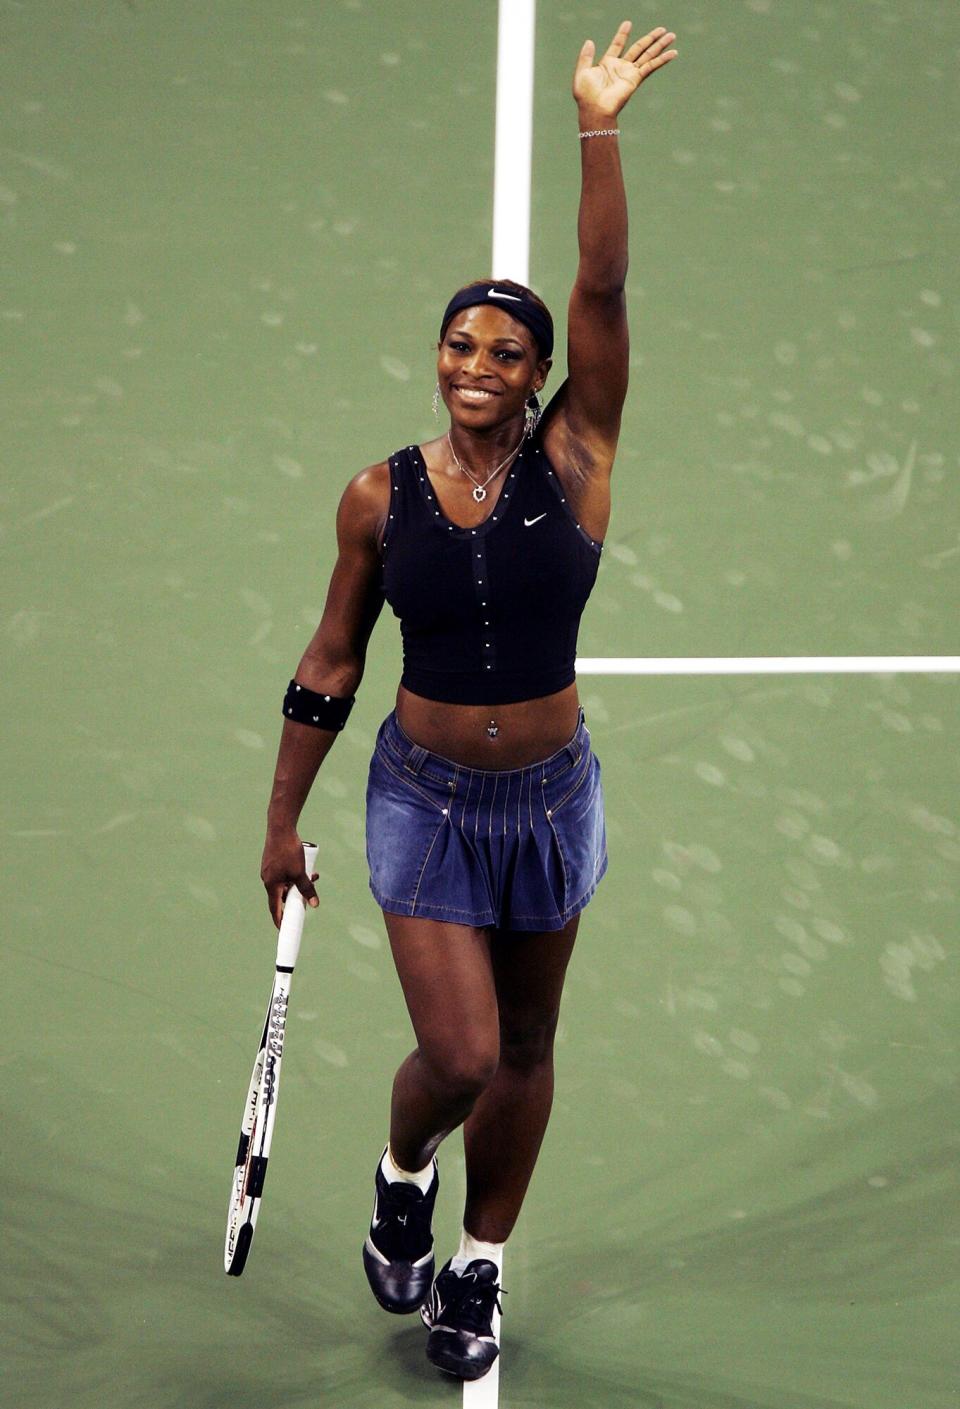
[[282, 867]]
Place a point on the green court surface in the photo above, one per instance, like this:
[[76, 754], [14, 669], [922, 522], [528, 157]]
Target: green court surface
[[229, 232]]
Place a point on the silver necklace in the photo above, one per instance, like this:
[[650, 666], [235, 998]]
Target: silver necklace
[[479, 491]]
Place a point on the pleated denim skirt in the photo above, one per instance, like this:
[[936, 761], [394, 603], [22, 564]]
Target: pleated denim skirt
[[519, 848]]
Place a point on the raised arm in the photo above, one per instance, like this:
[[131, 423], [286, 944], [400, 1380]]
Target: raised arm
[[597, 339], [332, 664]]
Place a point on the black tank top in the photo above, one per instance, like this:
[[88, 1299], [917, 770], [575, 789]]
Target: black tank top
[[488, 615]]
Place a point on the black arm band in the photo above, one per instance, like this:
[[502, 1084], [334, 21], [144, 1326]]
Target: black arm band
[[320, 711]]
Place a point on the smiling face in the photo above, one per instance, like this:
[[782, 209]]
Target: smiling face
[[488, 364]]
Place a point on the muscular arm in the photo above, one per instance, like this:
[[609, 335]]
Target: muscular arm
[[335, 656], [333, 665], [598, 343], [591, 400], [334, 659]]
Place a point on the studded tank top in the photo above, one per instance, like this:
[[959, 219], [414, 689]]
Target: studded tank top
[[490, 614]]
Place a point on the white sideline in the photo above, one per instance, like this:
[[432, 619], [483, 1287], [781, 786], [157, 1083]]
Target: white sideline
[[484, 1393], [514, 141], [516, 24], [765, 665]]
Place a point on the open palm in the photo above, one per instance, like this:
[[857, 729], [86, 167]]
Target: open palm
[[606, 86]]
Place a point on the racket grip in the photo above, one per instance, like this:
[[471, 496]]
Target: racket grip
[[294, 911]]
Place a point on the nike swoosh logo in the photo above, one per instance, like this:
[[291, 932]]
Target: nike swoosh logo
[[527, 522], [493, 293]]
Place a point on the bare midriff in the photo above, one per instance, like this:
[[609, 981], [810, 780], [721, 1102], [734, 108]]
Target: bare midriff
[[526, 732]]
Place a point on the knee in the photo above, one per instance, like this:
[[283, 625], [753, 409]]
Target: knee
[[463, 1072], [526, 1044]]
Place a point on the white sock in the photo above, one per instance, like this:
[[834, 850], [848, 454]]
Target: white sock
[[393, 1174], [471, 1248]]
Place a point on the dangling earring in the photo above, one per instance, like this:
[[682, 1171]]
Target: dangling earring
[[531, 414], [436, 403]]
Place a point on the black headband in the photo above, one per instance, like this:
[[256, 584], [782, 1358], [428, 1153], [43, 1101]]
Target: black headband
[[533, 315]]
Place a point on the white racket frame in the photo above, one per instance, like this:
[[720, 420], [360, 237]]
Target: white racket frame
[[260, 1110]]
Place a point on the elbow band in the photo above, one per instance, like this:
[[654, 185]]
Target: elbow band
[[319, 711]]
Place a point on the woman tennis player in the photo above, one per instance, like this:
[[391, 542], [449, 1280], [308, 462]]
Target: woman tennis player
[[485, 825]]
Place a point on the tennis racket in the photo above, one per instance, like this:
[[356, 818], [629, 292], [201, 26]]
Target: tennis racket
[[260, 1111]]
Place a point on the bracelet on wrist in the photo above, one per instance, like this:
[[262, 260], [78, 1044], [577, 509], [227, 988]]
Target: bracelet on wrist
[[318, 710], [601, 132]]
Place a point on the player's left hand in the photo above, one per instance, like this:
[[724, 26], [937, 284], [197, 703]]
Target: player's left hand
[[606, 86]]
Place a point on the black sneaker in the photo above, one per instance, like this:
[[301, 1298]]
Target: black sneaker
[[459, 1314], [398, 1253]]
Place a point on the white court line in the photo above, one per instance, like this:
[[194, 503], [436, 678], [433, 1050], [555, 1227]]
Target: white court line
[[514, 141], [516, 24], [484, 1393], [765, 665]]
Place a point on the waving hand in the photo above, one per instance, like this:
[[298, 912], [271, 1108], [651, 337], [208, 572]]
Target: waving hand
[[606, 86]]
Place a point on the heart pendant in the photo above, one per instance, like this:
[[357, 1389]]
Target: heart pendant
[[479, 494]]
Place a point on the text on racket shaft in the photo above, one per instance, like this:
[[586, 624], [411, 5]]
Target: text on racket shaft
[[274, 1045]]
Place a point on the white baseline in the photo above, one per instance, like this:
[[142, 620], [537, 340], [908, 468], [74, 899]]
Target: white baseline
[[766, 665]]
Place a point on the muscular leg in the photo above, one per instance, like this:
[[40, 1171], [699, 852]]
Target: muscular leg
[[503, 1134], [447, 978]]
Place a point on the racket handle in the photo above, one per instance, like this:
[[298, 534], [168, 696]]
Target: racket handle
[[294, 911]]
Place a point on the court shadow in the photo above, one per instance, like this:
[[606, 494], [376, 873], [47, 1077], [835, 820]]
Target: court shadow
[[820, 1276], [400, 1362], [856, 1227], [114, 1292], [534, 1381]]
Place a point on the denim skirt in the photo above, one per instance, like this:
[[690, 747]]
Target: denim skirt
[[519, 848]]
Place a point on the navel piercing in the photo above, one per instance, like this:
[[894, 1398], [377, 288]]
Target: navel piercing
[[493, 729]]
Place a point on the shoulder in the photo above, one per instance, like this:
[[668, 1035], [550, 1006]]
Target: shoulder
[[368, 486], [365, 503]]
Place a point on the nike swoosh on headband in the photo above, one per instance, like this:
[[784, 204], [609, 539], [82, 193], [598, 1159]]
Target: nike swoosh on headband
[[494, 293]]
